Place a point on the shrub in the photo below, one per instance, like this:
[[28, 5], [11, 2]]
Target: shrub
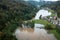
[[31, 24], [48, 26], [7, 37], [58, 29]]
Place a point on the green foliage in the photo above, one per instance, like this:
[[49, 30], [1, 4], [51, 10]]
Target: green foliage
[[58, 29], [57, 35], [7, 37], [44, 22], [31, 24], [12, 15], [48, 26]]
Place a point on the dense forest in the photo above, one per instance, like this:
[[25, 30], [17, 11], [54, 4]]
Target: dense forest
[[12, 15]]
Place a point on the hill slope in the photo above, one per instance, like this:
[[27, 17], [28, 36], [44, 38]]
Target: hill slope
[[12, 15]]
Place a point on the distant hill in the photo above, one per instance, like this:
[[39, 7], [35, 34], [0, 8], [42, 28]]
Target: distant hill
[[35, 3], [38, 4]]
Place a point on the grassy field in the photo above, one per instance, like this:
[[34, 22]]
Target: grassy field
[[57, 35], [53, 13], [44, 22]]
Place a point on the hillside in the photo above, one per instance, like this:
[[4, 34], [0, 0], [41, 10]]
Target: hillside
[[12, 15]]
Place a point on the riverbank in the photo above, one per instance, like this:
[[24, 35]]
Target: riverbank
[[53, 31], [33, 34], [57, 35]]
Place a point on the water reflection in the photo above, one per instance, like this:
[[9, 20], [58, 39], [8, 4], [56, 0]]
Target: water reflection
[[33, 34]]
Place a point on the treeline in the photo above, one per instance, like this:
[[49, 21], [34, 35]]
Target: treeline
[[12, 15]]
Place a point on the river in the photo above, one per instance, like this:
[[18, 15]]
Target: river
[[36, 33]]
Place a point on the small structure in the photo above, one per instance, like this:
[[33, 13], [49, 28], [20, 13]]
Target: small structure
[[55, 17]]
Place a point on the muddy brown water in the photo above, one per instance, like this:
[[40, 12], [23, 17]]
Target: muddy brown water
[[33, 34]]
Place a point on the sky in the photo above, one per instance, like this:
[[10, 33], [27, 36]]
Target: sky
[[41, 0], [50, 0]]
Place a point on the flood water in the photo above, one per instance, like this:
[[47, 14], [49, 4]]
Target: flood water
[[43, 13], [33, 34], [37, 33]]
